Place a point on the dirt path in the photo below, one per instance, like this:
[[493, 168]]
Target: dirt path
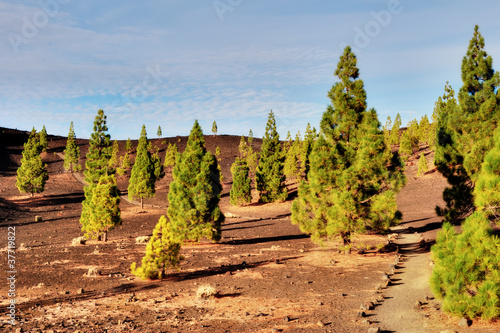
[[410, 281]]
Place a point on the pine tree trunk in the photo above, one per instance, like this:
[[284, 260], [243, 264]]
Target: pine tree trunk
[[346, 237], [105, 236], [142, 204]]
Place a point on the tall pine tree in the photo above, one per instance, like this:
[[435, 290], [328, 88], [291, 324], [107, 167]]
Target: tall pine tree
[[353, 177], [143, 179], [97, 173], [195, 192], [465, 128], [269, 176]]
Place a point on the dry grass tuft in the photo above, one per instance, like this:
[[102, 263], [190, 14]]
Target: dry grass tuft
[[206, 291]]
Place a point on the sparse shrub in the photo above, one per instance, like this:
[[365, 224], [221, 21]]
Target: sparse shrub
[[78, 241], [93, 271], [206, 291]]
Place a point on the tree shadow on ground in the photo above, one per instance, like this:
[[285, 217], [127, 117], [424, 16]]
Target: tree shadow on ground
[[223, 269], [265, 239], [50, 200], [120, 290]]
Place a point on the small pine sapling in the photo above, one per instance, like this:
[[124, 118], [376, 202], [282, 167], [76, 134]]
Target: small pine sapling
[[422, 165], [71, 152], [214, 128], [241, 191], [162, 252], [128, 145], [170, 156], [32, 174]]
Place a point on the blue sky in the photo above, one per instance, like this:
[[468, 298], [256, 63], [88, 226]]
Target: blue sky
[[170, 62]]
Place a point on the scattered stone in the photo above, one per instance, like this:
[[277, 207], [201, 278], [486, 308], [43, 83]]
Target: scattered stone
[[286, 319], [449, 331], [38, 218], [385, 277], [464, 322], [80, 291], [142, 239], [231, 216], [361, 314], [374, 330], [418, 305], [320, 324], [369, 305], [78, 241]]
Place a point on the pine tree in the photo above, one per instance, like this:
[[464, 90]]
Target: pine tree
[[394, 136], [405, 145], [487, 190], [423, 129], [32, 174], [217, 154], [102, 208], [162, 252], [466, 273], [170, 156], [422, 165], [291, 152], [128, 145], [387, 130], [214, 128], [100, 151], [241, 191], [113, 161], [195, 192], [307, 146], [465, 128], [269, 177], [43, 140], [126, 164], [143, 179], [72, 151], [353, 177], [246, 152], [98, 171], [158, 132]]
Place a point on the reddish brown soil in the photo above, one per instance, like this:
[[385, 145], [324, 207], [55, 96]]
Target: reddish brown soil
[[268, 275]]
